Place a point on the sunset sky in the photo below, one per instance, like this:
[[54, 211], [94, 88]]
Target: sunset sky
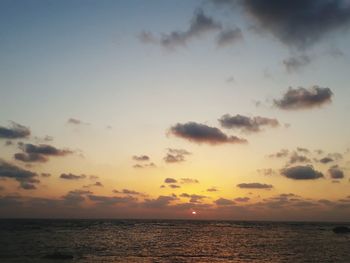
[[156, 109]]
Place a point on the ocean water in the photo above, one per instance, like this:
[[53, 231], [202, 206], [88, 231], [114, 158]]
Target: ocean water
[[170, 241]]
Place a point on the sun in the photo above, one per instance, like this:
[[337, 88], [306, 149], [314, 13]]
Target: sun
[[194, 212]]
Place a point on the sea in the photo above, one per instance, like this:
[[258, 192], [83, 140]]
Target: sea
[[28, 240]]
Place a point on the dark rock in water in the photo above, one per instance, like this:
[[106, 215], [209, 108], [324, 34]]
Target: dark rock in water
[[59, 256], [341, 230]]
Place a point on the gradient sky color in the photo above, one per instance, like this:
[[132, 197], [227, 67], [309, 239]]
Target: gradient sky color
[[105, 81]]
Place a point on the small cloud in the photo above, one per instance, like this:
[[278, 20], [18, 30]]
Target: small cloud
[[242, 199], [74, 121], [201, 133], [189, 181], [71, 176], [224, 202], [141, 158], [174, 186], [335, 172], [302, 98], [193, 197], [254, 186], [45, 175], [200, 25], [301, 173], [247, 124], [212, 189], [176, 155], [15, 131], [170, 181], [148, 38], [326, 160]]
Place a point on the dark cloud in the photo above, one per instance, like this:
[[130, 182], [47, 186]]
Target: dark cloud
[[298, 23], [38, 153], [174, 186], [302, 98], [170, 181], [301, 173], [141, 158], [111, 200], [229, 37], [326, 160], [8, 143], [130, 192], [193, 197], [201, 133], [71, 176], [75, 197], [335, 172], [26, 179], [200, 25], [294, 64], [224, 202], [45, 174], [255, 186], [15, 131], [242, 199], [247, 124], [189, 181], [161, 202], [212, 189]]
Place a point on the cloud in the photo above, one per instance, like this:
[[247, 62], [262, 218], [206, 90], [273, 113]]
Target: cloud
[[298, 23], [303, 150], [147, 165], [301, 173], [15, 131], [45, 174], [247, 124], [212, 189], [200, 25], [160, 202], [174, 186], [224, 202], [335, 172], [254, 186], [229, 37], [266, 172], [281, 154], [26, 179], [242, 199], [176, 155], [71, 176], [326, 160], [296, 158], [194, 198], [74, 121], [201, 133], [111, 200], [189, 181], [170, 181], [38, 153], [128, 192], [302, 98], [75, 197], [141, 158], [294, 64]]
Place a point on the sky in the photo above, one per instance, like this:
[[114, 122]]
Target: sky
[[196, 109]]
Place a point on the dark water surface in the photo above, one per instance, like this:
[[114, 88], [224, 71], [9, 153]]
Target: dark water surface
[[170, 241]]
